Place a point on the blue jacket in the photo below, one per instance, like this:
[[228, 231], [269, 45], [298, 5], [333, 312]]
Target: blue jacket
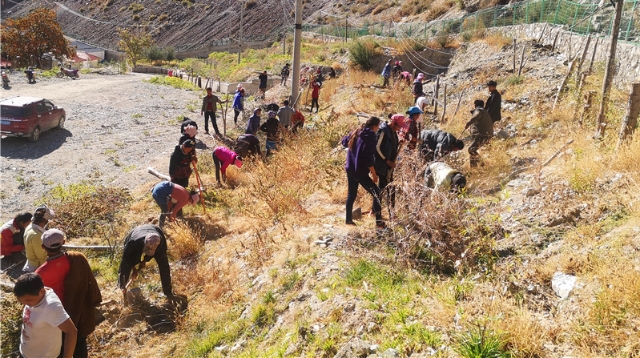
[[237, 101], [361, 156], [254, 123], [386, 71]]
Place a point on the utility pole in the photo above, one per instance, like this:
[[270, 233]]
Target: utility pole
[[241, 26], [297, 38], [609, 71]]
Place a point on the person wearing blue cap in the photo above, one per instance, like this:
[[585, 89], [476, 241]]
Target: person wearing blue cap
[[411, 133]]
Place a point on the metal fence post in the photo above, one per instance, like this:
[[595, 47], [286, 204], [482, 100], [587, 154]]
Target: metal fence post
[[626, 37], [555, 17], [526, 13]]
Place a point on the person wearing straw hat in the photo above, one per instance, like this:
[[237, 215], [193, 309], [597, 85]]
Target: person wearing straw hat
[[143, 243]]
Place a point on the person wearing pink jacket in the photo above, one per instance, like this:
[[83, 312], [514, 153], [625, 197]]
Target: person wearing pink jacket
[[222, 158]]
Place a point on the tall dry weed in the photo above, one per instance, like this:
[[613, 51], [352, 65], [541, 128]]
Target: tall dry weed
[[184, 241], [437, 230]]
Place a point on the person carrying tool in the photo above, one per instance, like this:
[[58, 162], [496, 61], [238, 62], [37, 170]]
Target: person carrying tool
[[180, 162], [70, 276], [435, 144], [481, 127], [209, 108], [361, 144], [222, 158], [386, 73], [395, 71], [171, 198], [12, 234], [143, 243], [36, 255]]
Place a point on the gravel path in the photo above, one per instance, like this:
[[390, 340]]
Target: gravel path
[[117, 126]]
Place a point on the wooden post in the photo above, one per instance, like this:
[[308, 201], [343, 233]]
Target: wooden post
[[564, 83], [514, 56], [610, 70], [458, 105], [583, 77], [593, 56], [522, 61], [588, 101], [555, 40], [630, 120], [444, 104], [584, 54], [435, 95]]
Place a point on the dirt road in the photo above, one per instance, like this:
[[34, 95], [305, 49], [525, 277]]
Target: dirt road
[[117, 126]]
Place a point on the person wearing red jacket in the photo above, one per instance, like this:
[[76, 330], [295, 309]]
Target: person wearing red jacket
[[315, 94], [222, 158], [12, 233]]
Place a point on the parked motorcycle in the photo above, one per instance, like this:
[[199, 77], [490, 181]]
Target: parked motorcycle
[[5, 80], [31, 77], [69, 73]]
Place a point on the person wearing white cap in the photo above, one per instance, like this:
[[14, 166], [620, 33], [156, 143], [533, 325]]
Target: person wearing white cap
[[143, 243], [36, 255], [70, 276]]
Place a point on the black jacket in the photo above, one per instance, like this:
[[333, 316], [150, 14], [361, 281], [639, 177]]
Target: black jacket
[[180, 164], [133, 251], [247, 144], [493, 105], [271, 126], [386, 148], [436, 141]]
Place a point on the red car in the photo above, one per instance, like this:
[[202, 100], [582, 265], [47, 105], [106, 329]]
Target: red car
[[29, 116]]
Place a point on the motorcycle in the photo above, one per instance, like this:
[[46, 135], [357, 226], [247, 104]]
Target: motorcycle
[[5, 80], [70, 73], [31, 77]]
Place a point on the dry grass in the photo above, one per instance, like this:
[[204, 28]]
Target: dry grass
[[497, 40], [184, 241]]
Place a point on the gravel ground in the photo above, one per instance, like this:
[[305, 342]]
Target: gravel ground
[[117, 126]]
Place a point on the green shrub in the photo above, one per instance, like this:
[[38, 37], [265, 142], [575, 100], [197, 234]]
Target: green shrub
[[481, 343], [362, 53]]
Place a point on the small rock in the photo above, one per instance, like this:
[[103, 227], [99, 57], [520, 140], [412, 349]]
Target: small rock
[[528, 192], [350, 307], [562, 284], [221, 349]]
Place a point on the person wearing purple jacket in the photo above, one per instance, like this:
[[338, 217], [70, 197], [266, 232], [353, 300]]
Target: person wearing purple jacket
[[360, 159]]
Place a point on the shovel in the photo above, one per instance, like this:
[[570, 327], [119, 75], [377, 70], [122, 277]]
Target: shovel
[[200, 188]]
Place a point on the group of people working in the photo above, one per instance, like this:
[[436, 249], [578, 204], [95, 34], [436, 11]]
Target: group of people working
[[373, 149], [58, 289]]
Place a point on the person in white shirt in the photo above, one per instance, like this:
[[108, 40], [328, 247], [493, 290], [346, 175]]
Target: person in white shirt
[[43, 320]]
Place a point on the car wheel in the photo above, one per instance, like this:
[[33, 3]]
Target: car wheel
[[35, 135], [60, 75], [61, 122]]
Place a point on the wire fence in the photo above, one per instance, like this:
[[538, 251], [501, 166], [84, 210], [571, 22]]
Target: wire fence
[[580, 18]]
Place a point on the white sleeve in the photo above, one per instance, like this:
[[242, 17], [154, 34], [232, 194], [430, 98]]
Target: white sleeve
[[378, 146]]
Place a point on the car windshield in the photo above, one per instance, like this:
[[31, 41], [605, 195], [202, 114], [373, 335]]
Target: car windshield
[[8, 111]]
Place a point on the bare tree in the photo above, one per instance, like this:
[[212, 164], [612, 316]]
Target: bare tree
[[630, 120]]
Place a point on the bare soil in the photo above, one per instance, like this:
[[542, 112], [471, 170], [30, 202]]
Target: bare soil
[[117, 126]]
